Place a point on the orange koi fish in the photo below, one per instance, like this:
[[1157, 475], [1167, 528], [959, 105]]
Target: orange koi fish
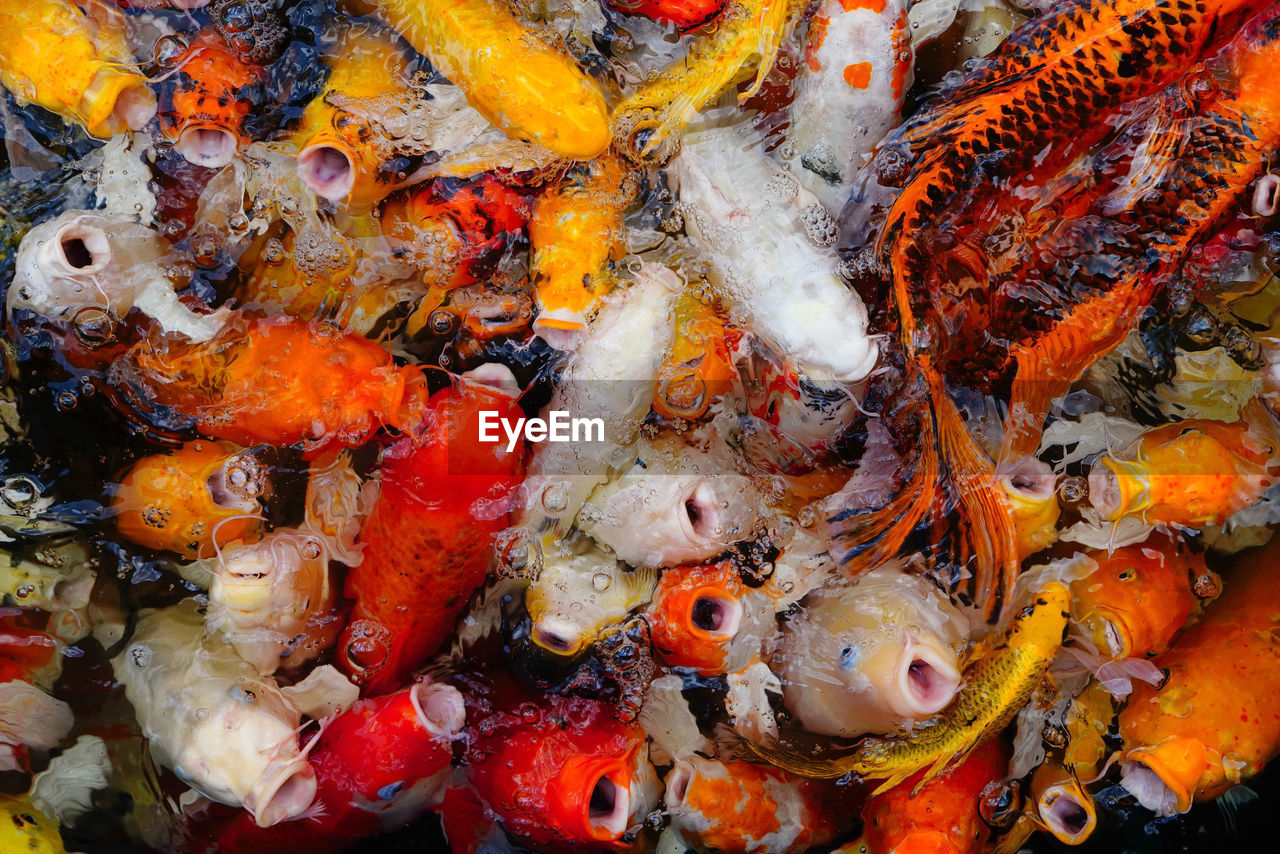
[[344, 155], [577, 233], [444, 493], [378, 766], [1217, 146], [696, 612], [192, 500], [561, 772], [648, 124], [741, 808], [1190, 472], [27, 653], [206, 108], [73, 59], [280, 381], [526, 85], [1214, 721], [1138, 598], [940, 817], [699, 369]]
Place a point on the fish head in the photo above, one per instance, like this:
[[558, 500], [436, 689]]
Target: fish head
[[696, 612]]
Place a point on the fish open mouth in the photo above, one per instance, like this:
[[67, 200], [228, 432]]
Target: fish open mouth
[[1067, 812], [609, 807], [207, 146], [926, 681], [327, 170], [718, 616], [82, 249]]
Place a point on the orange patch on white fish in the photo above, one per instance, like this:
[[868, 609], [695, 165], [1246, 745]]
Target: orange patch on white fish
[[876, 6], [817, 35], [858, 75]]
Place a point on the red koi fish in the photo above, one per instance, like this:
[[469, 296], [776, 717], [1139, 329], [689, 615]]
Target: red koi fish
[[427, 540], [942, 816], [378, 766], [696, 612], [278, 380], [562, 772], [684, 14], [206, 109], [26, 653]]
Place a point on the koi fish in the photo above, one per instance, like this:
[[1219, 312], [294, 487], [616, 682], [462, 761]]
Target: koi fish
[[378, 766], [1032, 497], [27, 653], [696, 612], [684, 14], [30, 719], [648, 123], [87, 259], [344, 155], [673, 506], [699, 370], [205, 110], [580, 590], [996, 687], [751, 222], [740, 808], [1212, 723], [273, 600], [192, 500], [443, 495], [1181, 197], [74, 60], [1189, 472], [229, 733], [871, 657], [527, 86], [577, 233], [940, 816], [849, 91], [561, 772], [1138, 598], [280, 381], [25, 828]]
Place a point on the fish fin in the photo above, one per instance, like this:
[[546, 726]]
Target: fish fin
[[989, 529], [816, 769]]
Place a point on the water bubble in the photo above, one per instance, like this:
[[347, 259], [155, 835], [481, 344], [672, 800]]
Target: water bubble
[[67, 401], [20, 492], [273, 251], [601, 581], [168, 50], [140, 655], [555, 499], [236, 18]]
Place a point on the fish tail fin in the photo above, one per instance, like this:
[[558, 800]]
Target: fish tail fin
[[773, 753]]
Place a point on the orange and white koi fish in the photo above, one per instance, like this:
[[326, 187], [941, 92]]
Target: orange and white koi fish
[[576, 234], [205, 110], [528, 86], [849, 91], [192, 500], [1213, 722], [740, 808], [1189, 472], [343, 153], [74, 59], [279, 380]]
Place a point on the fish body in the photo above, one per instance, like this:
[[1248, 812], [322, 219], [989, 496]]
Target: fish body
[[206, 109], [378, 765], [191, 500], [649, 123], [940, 816], [849, 91], [684, 14], [280, 381], [740, 808], [344, 154], [74, 60], [561, 772], [996, 687], [443, 495], [577, 234], [1212, 723], [209, 716], [517, 78]]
